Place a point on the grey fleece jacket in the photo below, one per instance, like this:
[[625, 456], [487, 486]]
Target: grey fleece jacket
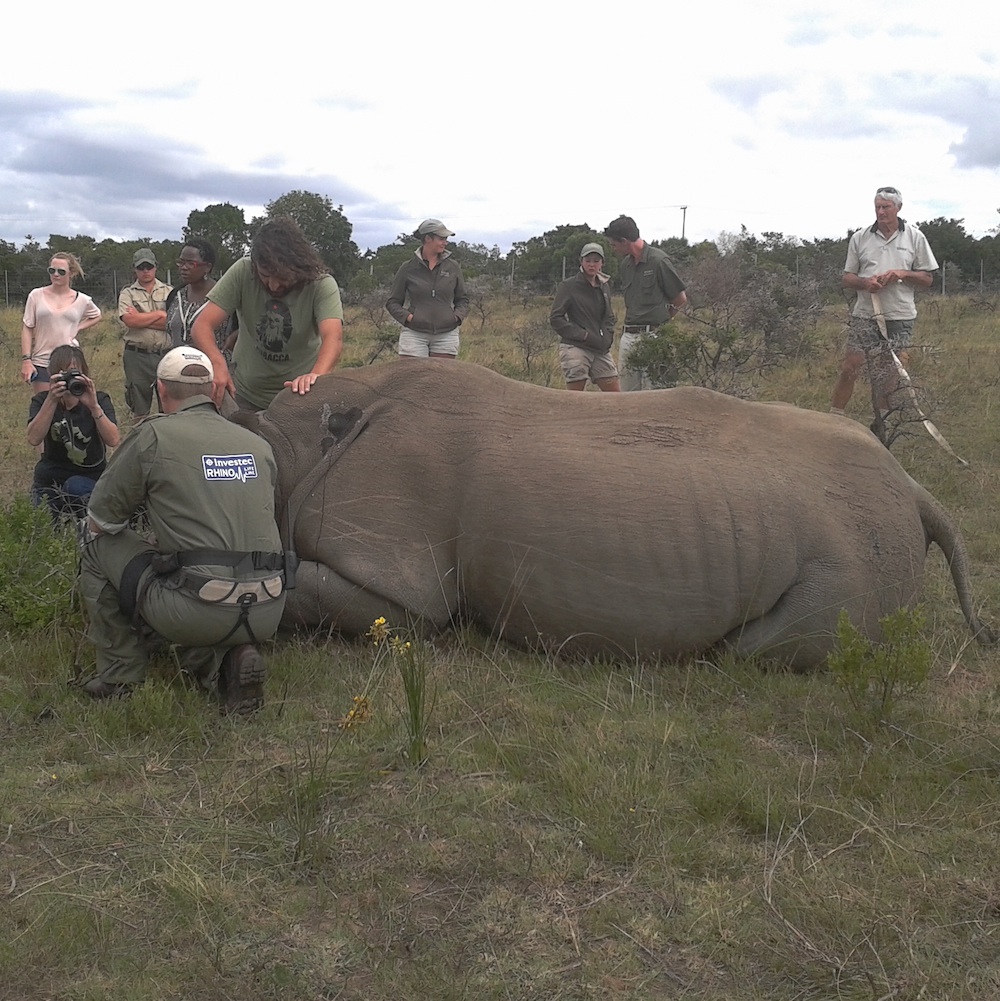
[[436, 298], [582, 313]]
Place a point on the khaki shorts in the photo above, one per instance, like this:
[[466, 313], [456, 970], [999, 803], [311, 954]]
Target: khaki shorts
[[863, 334], [578, 364], [413, 344]]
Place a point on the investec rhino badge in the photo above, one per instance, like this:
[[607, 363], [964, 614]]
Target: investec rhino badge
[[229, 467]]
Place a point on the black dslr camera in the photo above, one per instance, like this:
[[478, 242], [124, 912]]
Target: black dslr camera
[[73, 378]]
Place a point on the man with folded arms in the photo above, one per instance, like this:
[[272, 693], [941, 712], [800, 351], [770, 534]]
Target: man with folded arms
[[142, 308]]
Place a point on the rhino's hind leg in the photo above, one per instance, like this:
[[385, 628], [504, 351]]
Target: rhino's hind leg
[[799, 629], [321, 597]]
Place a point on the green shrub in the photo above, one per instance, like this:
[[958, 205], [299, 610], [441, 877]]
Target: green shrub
[[874, 676]]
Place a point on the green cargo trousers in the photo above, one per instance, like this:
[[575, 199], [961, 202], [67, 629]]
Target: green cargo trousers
[[204, 631]]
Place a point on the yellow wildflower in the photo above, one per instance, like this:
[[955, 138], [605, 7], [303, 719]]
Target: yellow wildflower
[[379, 631], [358, 713]]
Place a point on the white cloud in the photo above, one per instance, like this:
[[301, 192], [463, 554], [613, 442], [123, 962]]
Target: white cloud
[[503, 120]]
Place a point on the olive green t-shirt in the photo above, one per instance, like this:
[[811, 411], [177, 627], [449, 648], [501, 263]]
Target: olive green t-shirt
[[279, 338], [649, 286]]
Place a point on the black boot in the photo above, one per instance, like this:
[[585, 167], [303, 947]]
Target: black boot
[[241, 680]]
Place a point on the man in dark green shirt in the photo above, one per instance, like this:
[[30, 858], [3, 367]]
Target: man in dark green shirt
[[654, 292], [213, 584]]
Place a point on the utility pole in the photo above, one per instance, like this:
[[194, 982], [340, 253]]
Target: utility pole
[[684, 215]]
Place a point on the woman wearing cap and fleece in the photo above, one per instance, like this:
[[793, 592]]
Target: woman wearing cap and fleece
[[428, 297], [582, 317]]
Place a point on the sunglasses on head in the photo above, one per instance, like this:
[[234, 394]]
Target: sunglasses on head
[[57, 271], [145, 267], [890, 191]]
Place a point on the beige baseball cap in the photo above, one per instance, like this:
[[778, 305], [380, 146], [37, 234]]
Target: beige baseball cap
[[173, 363], [434, 226]]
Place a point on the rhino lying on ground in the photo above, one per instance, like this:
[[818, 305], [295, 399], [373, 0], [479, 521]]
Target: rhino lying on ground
[[657, 523]]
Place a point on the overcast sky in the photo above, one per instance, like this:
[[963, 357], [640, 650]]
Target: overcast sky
[[504, 119]]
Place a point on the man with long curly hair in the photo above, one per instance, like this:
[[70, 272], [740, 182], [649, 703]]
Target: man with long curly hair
[[290, 318]]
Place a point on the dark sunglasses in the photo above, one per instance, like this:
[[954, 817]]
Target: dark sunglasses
[[145, 267], [891, 191], [57, 271]]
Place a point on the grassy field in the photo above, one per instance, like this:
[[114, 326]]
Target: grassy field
[[578, 830]]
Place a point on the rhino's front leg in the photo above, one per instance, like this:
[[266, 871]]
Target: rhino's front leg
[[321, 597]]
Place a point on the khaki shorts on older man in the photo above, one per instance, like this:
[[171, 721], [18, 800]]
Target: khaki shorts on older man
[[579, 364], [863, 334]]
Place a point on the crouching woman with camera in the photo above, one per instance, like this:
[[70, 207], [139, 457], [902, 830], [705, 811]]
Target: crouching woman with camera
[[76, 425]]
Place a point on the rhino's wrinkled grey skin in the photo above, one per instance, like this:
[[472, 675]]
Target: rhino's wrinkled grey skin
[[657, 523]]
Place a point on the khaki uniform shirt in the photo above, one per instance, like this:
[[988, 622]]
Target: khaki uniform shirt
[[146, 302]]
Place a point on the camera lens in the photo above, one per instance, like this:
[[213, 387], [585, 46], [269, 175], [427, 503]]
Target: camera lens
[[75, 385]]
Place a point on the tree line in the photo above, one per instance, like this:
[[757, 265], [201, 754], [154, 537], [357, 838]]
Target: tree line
[[536, 264]]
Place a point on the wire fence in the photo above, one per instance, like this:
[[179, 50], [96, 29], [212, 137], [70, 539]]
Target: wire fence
[[101, 284]]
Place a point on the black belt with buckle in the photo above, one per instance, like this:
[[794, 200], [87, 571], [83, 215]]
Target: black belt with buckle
[[640, 328], [129, 346]]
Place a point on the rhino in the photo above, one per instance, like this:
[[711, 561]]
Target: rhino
[[655, 524]]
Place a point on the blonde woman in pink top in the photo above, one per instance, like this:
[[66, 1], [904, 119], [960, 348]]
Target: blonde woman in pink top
[[53, 315]]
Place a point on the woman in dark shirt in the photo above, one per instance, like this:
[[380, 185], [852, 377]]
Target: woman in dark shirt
[[76, 425], [185, 302]]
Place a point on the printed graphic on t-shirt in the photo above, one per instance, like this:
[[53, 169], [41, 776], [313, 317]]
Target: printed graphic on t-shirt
[[229, 467], [72, 438], [274, 331]]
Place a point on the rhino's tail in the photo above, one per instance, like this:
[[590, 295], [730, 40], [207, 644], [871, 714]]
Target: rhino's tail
[[940, 529]]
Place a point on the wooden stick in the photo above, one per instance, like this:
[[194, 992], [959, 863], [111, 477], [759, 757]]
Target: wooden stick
[[905, 378]]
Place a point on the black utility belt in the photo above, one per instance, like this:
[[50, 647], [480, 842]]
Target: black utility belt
[[247, 588], [129, 346], [243, 563], [640, 328]]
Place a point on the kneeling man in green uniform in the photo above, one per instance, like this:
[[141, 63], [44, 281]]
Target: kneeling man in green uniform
[[214, 582]]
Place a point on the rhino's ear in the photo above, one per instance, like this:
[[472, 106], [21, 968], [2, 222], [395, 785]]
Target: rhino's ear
[[248, 419], [341, 423]]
